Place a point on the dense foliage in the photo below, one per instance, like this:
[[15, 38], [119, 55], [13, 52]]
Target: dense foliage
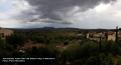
[[65, 46]]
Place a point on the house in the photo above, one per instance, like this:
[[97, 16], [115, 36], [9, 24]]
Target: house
[[5, 32], [111, 36], [95, 36]]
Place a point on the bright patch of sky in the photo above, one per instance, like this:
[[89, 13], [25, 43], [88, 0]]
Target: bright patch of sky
[[9, 8], [102, 16]]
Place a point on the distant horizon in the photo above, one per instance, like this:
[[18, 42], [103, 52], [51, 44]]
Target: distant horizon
[[58, 28]]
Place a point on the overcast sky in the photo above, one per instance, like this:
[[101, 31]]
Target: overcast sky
[[60, 13]]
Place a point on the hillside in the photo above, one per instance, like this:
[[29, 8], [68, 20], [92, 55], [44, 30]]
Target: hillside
[[69, 46]]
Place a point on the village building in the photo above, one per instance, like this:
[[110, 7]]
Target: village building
[[5, 32], [96, 36], [111, 36]]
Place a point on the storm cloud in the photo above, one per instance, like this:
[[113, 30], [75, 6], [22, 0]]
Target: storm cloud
[[60, 13], [57, 10]]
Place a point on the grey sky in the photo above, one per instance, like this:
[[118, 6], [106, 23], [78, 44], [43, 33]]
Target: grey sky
[[54, 8], [61, 13]]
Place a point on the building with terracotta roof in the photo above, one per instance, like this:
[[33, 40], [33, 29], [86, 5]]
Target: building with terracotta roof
[[111, 36], [5, 32]]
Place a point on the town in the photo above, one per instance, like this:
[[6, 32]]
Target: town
[[109, 35]]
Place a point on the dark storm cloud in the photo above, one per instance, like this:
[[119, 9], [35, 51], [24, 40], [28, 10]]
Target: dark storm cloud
[[49, 8]]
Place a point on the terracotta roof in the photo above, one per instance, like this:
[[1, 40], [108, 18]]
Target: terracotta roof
[[111, 33]]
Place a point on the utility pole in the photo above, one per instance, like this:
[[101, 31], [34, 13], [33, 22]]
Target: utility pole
[[116, 34], [100, 43]]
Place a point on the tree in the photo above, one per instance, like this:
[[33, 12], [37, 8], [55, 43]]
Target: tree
[[16, 39]]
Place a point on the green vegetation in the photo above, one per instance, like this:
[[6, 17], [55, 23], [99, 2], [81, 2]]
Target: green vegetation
[[66, 46]]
